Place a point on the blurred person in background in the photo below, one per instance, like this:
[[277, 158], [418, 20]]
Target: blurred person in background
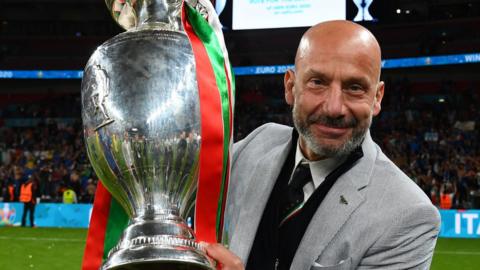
[[89, 192], [8, 190], [74, 182], [447, 195], [28, 191], [17, 180], [69, 195]]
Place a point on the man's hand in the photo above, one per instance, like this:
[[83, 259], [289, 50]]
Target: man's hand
[[224, 257]]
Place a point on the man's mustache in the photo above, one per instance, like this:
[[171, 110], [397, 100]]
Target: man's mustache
[[332, 122]]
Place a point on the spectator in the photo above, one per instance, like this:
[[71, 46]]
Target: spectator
[[69, 196], [447, 195]]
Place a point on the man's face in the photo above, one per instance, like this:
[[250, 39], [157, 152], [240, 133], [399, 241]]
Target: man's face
[[334, 93]]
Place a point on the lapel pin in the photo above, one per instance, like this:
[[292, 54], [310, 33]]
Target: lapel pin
[[343, 200]]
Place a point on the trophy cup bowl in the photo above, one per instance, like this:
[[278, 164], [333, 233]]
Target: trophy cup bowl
[[141, 119]]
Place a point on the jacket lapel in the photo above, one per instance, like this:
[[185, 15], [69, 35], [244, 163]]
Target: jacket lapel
[[337, 207], [257, 194]]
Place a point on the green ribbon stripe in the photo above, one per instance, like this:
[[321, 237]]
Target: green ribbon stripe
[[117, 222], [206, 34]]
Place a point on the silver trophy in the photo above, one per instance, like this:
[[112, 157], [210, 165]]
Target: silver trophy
[[141, 121]]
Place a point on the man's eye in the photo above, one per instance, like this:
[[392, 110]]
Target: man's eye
[[316, 82], [355, 87]]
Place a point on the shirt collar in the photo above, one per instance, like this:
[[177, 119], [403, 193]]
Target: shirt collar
[[320, 168]]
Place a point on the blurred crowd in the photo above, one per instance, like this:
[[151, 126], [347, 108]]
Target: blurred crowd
[[53, 156], [41, 140], [435, 140], [432, 137]]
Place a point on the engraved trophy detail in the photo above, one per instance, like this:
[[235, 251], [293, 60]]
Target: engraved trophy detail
[[100, 94]]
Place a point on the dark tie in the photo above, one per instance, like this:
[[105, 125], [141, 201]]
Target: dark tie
[[293, 200]]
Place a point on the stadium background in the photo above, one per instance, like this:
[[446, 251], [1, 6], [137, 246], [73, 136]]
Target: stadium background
[[428, 124]]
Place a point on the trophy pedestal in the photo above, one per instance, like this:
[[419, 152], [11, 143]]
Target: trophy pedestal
[[165, 243]]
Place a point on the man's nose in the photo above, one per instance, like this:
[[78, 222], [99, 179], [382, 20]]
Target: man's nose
[[334, 104]]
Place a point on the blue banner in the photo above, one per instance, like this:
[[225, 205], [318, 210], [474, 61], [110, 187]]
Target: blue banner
[[261, 70], [48, 215], [455, 223], [460, 223], [41, 74], [453, 59]]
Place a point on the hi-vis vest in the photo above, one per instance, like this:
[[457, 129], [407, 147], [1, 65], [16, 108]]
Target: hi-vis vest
[[68, 196], [11, 193], [26, 192], [445, 201]]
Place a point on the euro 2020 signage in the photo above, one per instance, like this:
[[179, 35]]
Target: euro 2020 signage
[[48, 215]]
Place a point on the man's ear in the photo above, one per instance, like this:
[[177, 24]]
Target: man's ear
[[378, 98], [289, 82]]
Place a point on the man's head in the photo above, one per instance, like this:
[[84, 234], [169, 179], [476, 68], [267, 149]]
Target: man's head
[[335, 89]]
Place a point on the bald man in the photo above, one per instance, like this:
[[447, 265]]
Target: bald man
[[356, 210]]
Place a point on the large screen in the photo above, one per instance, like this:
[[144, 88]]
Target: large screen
[[261, 14]]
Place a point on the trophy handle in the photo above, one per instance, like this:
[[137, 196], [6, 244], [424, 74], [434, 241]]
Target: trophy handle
[[146, 14]]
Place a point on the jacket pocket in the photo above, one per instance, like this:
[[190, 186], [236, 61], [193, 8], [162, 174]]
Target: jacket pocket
[[345, 264]]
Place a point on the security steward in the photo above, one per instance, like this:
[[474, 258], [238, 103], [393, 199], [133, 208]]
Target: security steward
[[27, 191]]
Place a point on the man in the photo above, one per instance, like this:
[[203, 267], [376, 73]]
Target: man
[[27, 196], [447, 195], [358, 210], [69, 195]]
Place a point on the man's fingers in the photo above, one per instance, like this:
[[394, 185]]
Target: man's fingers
[[224, 257]]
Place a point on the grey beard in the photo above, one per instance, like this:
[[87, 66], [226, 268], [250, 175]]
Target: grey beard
[[329, 151]]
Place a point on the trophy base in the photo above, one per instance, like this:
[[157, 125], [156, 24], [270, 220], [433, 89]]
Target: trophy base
[[166, 244], [158, 258], [162, 266]]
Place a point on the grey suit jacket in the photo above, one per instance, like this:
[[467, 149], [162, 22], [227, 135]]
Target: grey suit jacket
[[383, 221]]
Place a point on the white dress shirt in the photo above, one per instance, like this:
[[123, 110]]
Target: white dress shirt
[[319, 170]]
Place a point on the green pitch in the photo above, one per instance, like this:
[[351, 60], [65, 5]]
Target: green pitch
[[41, 248], [52, 249], [456, 253]]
